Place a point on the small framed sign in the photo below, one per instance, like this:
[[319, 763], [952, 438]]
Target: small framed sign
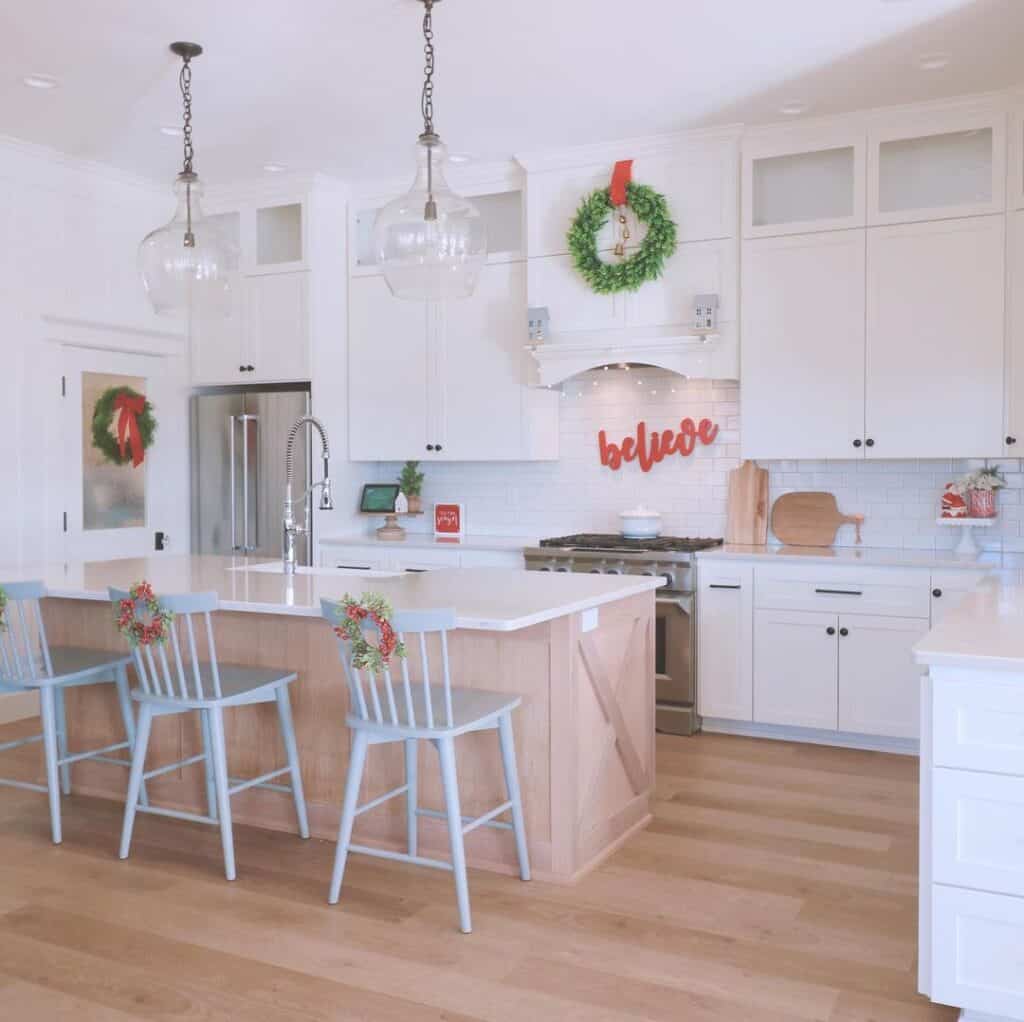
[[379, 498], [449, 520]]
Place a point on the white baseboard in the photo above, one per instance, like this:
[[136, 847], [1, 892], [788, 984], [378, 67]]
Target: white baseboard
[[813, 736], [18, 706]]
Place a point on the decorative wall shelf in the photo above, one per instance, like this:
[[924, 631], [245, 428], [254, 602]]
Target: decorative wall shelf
[[676, 348]]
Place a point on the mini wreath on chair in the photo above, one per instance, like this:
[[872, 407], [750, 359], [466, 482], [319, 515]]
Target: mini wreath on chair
[[647, 263], [139, 632], [351, 616], [136, 426]]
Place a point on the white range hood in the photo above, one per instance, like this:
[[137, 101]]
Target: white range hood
[[688, 353]]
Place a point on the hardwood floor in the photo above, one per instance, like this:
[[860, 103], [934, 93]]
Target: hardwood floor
[[776, 882]]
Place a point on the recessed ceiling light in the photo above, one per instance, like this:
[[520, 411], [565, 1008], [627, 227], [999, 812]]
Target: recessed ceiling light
[[932, 61], [273, 168], [793, 108], [460, 158], [173, 130], [40, 81]]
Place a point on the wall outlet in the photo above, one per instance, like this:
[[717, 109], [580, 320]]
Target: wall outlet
[[705, 313], [537, 321]]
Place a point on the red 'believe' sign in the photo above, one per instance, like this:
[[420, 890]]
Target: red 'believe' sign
[[653, 448]]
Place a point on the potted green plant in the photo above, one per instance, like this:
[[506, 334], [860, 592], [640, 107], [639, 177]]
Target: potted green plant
[[411, 481], [982, 487]]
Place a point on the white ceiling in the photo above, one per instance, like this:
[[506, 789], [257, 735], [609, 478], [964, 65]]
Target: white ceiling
[[333, 85]]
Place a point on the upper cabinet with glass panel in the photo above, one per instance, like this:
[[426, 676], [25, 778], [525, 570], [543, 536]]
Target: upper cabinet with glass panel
[[279, 238], [932, 166], [796, 184], [1015, 196]]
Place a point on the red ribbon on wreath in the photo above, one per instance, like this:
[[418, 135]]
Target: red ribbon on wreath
[[128, 425], [621, 176]]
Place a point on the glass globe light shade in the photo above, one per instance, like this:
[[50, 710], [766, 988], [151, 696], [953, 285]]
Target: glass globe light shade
[[181, 277], [430, 242]]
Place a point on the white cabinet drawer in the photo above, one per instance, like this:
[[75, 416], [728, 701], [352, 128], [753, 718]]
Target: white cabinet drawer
[[896, 592], [978, 724], [492, 559], [978, 951], [978, 830]]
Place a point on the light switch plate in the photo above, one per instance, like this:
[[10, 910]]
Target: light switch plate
[[588, 620]]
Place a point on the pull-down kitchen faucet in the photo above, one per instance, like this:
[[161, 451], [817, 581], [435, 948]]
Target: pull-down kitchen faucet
[[291, 528]]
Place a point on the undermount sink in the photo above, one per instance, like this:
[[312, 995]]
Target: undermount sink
[[277, 568]]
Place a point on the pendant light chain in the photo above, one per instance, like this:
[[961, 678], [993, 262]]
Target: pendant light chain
[[185, 82], [427, 99]]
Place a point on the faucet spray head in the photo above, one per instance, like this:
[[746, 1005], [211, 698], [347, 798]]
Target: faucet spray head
[[326, 501]]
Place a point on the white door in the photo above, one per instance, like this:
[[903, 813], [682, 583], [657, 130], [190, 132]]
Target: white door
[[387, 374], [725, 679], [482, 371], [278, 328], [116, 510], [795, 667], [934, 367], [879, 683], [1014, 438], [803, 346]]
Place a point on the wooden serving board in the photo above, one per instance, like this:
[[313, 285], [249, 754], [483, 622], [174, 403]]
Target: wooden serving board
[[747, 520], [810, 519]]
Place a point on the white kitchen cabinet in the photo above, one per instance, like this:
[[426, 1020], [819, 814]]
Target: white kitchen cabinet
[[572, 305], [795, 668], [803, 346], [277, 338], [879, 683], [932, 165], [798, 182], [446, 382], [934, 365], [725, 677], [1015, 174], [949, 588], [387, 369], [399, 557], [218, 343], [1014, 438]]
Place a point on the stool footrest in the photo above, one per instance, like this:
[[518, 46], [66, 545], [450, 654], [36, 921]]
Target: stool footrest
[[94, 754], [24, 785], [159, 771], [261, 782], [381, 799], [416, 860], [19, 742], [466, 820], [176, 814]]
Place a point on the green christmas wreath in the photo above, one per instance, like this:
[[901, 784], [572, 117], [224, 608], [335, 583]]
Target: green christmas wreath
[[647, 263], [107, 442]]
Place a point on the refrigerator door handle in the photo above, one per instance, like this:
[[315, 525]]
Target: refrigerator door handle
[[232, 421], [245, 484], [256, 482]]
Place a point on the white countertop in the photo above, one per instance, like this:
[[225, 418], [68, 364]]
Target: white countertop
[[492, 599], [428, 541], [985, 630], [853, 555]]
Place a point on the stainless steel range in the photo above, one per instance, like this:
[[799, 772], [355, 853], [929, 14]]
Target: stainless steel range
[[675, 632]]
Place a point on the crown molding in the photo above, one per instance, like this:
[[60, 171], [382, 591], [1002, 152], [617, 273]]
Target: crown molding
[[113, 336]]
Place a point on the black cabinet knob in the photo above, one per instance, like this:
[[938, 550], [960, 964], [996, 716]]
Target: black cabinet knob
[[830, 630], [250, 369], [437, 447], [844, 631], [1010, 440], [869, 442], [241, 369], [856, 443], [936, 593], [430, 447]]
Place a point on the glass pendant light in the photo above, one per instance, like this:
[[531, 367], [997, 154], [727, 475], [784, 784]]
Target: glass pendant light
[[431, 243], [188, 263]]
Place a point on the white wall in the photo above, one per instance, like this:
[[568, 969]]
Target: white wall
[[899, 498]]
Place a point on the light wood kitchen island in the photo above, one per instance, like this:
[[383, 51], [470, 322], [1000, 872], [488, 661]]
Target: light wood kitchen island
[[578, 648]]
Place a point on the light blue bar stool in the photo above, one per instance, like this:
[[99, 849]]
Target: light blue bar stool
[[383, 710], [174, 680], [28, 663]]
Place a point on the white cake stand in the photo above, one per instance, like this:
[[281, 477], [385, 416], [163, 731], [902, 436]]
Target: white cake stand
[[967, 545]]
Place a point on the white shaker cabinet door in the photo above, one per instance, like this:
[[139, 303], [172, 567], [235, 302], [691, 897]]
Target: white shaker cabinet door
[[879, 683], [387, 374], [1014, 438], [934, 363], [795, 668], [803, 346], [278, 327], [725, 642]]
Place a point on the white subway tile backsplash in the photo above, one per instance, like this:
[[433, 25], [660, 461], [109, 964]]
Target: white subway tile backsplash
[[900, 499]]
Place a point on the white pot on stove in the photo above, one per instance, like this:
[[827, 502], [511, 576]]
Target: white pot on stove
[[640, 523]]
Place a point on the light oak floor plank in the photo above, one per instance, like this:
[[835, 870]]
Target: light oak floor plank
[[776, 881]]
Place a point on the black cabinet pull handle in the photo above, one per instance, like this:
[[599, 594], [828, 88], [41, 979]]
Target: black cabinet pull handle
[[840, 592], [844, 631], [830, 630], [936, 593], [1010, 440], [856, 443], [869, 442], [717, 585]]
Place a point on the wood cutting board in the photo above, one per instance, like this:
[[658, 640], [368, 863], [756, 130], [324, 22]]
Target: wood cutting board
[[747, 520], [810, 519]]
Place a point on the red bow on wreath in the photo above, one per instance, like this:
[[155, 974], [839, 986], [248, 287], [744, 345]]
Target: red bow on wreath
[[128, 425]]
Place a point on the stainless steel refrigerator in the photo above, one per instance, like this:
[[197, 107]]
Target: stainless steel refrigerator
[[238, 446]]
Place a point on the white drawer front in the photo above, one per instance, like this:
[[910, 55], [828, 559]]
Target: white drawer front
[[978, 830], [978, 951], [978, 724], [492, 559], [900, 597]]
